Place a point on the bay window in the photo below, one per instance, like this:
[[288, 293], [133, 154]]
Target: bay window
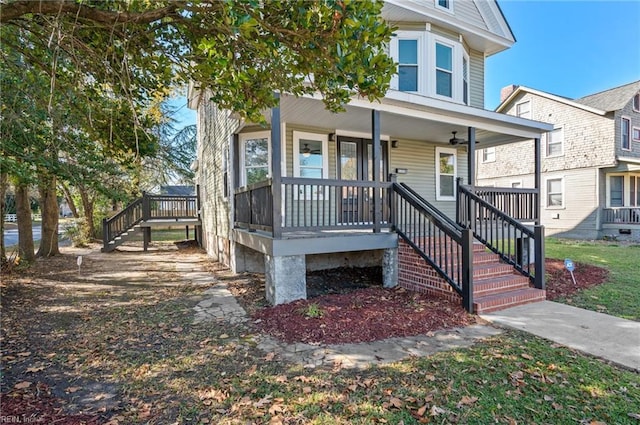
[[444, 70]]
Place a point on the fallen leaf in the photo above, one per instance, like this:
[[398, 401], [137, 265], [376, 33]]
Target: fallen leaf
[[176, 329], [527, 356], [634, 415], [252, 370], [24, 354], [22, 385], [270, 356], [466, 401], [276, 408], [72, 389], [396, 402], [224, 336], [556, 406], [35, 369], [263, 401], [281, 379], [276, 420], [307, 390], [547, 398], [435, 411], [421, 411]]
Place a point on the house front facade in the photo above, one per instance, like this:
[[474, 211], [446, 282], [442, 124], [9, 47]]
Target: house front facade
[[590, 161], [316, 190]]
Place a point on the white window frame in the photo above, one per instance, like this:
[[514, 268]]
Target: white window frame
[[305, 192], [456, 69], [454, 152], [634, 131], [547, 142], [465, 57], [443, 8], [546, 193], [624, 189], [636, 102], [530, 112], [622, 121], [486, 157], [243, 138], [394, 51]]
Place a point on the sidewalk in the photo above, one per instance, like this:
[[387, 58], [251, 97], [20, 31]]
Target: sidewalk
[[611, 338]]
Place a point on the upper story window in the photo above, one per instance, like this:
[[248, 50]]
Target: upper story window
[[489, 155], [555, 142], [636, 134], [254, 157], [444, 4], [523, 109], [408, 65], [636, 102], [625, 132], [430, 65]]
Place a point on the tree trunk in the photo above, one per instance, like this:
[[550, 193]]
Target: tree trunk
[[87, 206], [69, 199], [4, 183], [49, 205], [25, 225]]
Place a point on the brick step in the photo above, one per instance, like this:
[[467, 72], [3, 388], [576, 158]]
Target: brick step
[[485, 257], [488, 270], [499, 284], [490, 303]]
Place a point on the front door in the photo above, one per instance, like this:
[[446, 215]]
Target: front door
[[355, 162]]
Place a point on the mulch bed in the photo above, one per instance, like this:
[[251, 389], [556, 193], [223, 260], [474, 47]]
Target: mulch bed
[[349, 305]]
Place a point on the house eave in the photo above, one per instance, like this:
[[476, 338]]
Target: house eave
[[522, 89]]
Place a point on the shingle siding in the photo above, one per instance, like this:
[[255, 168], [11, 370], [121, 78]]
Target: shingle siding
[[634, 118]]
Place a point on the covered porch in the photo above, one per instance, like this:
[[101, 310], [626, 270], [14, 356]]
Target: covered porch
[[287, 217]]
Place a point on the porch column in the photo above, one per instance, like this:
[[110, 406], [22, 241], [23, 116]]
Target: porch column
[[375, 140], [536, 176], [285, 278], [471, 156], [276, 169]]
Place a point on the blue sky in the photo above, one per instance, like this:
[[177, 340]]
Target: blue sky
[[569, 48]]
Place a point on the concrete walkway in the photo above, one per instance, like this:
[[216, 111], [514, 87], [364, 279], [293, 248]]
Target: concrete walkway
[[611, 338]]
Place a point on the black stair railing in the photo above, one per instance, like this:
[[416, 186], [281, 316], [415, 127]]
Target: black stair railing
[[517, 244], [444, 245]]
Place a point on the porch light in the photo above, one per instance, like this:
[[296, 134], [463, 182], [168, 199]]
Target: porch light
[[306, 152], [332, 137], [394, 143]]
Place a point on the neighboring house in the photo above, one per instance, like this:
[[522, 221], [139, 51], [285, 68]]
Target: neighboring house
[[590, 160], [182, 190], [320, 190]]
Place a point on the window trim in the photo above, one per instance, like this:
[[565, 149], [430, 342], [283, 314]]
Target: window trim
[[633, 134], [626, 186], [484, 155], [440, 150], [320, 137], [530, 109], [394, 52], [465, 57], [547, 137], [546, 193], [626, 119], [635, 105], [444, 9], [456, 69], [243, 137]]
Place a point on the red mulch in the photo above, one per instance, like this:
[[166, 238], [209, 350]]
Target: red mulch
[[36, 405], [561, 286], [364, 315]]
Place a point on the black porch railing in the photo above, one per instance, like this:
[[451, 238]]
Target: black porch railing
[[517, 244], [313, 204], [444, 245], [148, 207], [519, 204]]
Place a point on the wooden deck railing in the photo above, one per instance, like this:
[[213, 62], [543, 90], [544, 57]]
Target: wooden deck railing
[[621, 215], [148, 207]]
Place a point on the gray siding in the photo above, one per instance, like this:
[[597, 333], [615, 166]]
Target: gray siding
[[215, 130], [476, 79], [634, 117], [468, 12]]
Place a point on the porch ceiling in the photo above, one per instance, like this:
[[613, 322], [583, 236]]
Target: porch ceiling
[[404, 116]]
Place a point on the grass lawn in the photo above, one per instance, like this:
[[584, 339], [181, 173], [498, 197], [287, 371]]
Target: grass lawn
[[621, 295]]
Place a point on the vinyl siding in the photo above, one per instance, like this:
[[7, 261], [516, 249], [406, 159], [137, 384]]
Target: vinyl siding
[[468, 12], [476, 78], [418, 158]]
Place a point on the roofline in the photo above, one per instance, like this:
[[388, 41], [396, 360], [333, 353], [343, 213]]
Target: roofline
[[504, 18], [496, 39], [612, 88], [550, 96]]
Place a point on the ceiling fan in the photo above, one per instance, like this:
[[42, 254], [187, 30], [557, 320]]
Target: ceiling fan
[[456, 141]]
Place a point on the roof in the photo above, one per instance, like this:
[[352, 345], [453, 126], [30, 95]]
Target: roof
[[178, 190], [574, 103], [612, 99]]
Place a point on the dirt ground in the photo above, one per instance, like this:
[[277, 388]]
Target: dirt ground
[[74, 338]]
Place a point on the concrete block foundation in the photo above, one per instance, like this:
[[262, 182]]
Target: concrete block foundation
[[285, 278]]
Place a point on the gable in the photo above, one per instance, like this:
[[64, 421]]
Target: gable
[[613, 99]]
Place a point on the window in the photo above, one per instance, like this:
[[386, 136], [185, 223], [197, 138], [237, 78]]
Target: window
[[489, 155], [634, 190], [636, 134], [446, 171], [444, 70], [523, 109], [555, 193], [255, 157], [624, 133], [555, 141], [408, 65], [311, 159], [465, 79], [636, 102], [444, 4], [616, 191]]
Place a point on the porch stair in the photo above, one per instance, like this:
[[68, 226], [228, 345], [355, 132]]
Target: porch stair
[[497, 285], [131, 233]]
